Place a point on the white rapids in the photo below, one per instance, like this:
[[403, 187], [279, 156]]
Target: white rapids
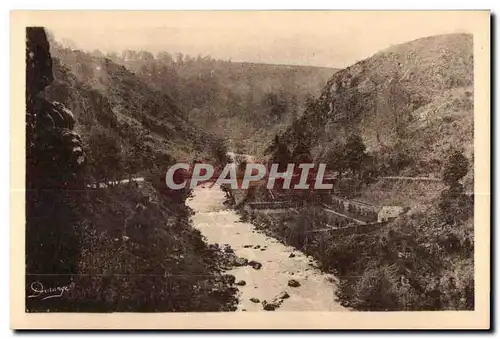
[[219, 224]]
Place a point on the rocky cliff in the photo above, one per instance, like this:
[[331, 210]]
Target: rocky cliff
[[408, 103]]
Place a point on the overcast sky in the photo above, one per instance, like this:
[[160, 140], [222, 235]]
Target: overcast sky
[[334, 39]]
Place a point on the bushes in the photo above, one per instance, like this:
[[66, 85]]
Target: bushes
[[414, 267], [455, 206], [133, 250], [455, 168], [458, 286], [219, 151], [375, 290], [417, 262], [296, 232]]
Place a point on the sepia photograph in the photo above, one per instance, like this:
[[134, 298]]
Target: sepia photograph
[[189, 164]]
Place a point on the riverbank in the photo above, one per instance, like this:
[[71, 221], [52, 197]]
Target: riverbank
[[269, 275], [415, 262]]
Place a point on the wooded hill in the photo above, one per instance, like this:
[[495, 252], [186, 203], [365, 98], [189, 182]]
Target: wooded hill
[[127, 125], [245, 103]]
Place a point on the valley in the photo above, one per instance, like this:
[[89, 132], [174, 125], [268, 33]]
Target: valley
[[395, 233]]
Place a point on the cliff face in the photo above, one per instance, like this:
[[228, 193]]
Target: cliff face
[[412, 100], [54, 163], [55, 154]]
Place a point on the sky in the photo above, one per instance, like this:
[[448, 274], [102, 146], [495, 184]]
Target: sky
[[317, 38]]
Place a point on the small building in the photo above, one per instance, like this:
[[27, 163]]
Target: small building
[[389, 212]]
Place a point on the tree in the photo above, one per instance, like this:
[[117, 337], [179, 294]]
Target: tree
[[179, 58], [128, 55], [335, 159], [370, 170], [270, 149], [131, 161], [309, 103], [276, 104], [302, 153], [280, 154], [113, 56], [105, 160], [97, 53], [354, 153], [302, 129], [164, 58], [219, 151], [297, 231], [454, 204], [455, 167]]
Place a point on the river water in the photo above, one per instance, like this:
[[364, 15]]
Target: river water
[[220, 224]]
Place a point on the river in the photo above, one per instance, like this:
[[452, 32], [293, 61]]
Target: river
[[222, 225]]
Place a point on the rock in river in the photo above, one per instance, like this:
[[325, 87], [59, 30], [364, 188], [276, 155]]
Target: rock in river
[[240, 262], [293, 283], [292, 255], [255, 264], [241, 283], [283, 295], [255, 300], [269, 306]]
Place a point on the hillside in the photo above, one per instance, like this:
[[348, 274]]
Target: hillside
[[405, 112], [245, 103], [117, 110], [408, 103], [128, 247]]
